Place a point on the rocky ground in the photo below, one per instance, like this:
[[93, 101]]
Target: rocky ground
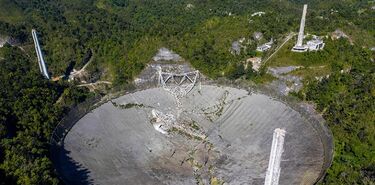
[[285, 82]]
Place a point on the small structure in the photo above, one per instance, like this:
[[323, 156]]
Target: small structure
[[189, 6], [265, 46], [236, 48], [337, 34], [257, 36], [79, 75], [258, 14], [315, 44], [255, 61]]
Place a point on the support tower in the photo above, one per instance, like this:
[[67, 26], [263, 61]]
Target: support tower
[[299, 47]]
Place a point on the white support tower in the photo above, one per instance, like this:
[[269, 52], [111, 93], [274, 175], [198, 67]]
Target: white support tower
[[302, 27], [273, 171], [42, 64], [299, 47]]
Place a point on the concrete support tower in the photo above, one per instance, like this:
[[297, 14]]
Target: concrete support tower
[[273, 171], [299, 47], [42, 64]]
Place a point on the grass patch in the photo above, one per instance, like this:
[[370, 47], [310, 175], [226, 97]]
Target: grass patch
[[285, 57], [312, 72], [215, 181]]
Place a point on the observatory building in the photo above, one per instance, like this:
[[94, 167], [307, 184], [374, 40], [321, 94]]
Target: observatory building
[[312, 45]]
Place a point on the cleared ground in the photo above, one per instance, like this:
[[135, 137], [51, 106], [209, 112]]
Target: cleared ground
[[224, 135]]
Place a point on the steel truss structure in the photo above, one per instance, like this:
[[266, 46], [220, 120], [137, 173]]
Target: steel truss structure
[[179, 85]]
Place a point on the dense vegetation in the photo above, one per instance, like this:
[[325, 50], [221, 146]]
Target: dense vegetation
[[123, 35], [347, 101], [29, 111], [345, 94]]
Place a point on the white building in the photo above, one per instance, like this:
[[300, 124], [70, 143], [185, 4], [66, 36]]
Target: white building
[[265, 46], [315, 44]]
